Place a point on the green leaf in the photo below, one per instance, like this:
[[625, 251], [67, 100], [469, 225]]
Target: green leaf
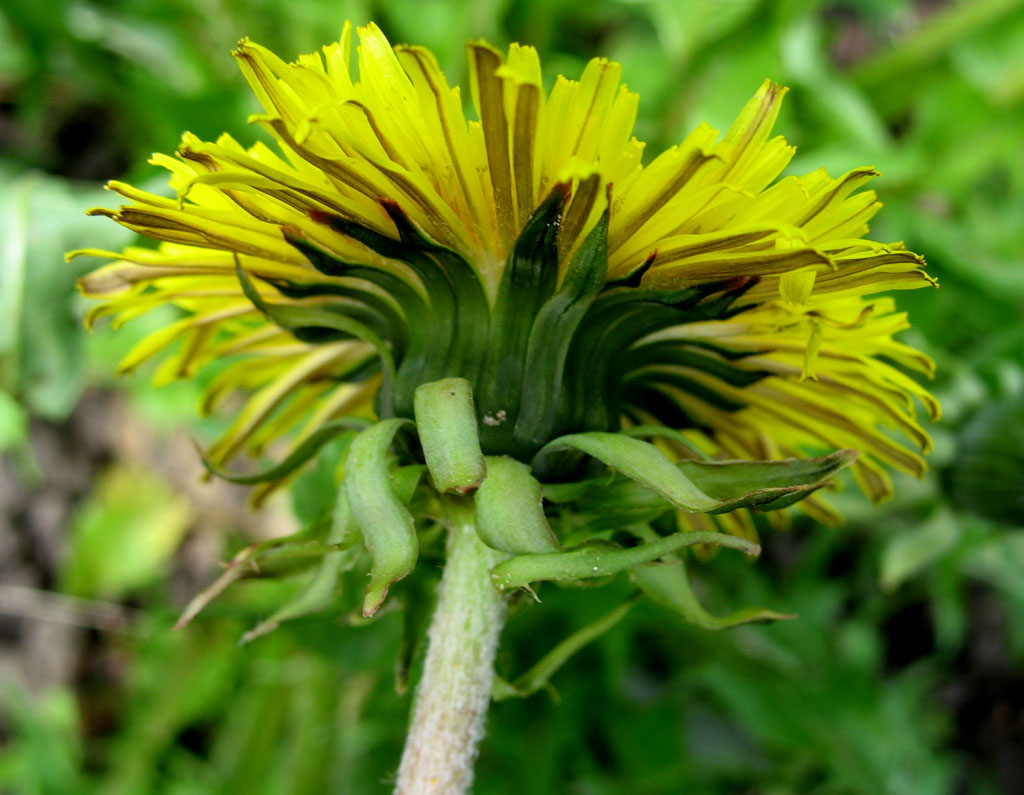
[[896, 67], [836, 101], [388, 528], [13, 422], [299, 456], [909, 552], [447, 427], [987, 475], [538, 675], [509, 510], [601, 558], [44, 752], [14, 222], [998, 561]]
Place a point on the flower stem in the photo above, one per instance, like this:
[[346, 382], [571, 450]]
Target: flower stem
[[453, 695]]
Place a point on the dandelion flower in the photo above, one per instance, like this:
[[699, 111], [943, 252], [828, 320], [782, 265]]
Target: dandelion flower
[[733, 304], [533, 273]]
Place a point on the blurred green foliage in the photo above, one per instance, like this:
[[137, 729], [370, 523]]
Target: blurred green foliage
[[886, 683], [134, 513]]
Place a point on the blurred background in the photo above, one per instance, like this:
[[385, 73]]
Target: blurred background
[[902, 673]]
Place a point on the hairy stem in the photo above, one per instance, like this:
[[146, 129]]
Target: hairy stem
[[453, 695]]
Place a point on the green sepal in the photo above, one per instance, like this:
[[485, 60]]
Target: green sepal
[[318, 592], [668, 585], [640, 461], [509, 510], [235, 570], [404, 293], [575, 490], [447, 428], [663, 432], [683, 355], [405, 480], [622, 502], [298, 318], [291, 559], [379, 313], [528, 280], [764, 485], [619, 318], [654, 378], [641, 402], [693, 486], [538, 675], [299, 456], [729, 354], [464, 278], [601, 558], [321, 590], [552, 334], [387, 526], [618, 503], [458, 309], [469, 316], [619, 302], [373, 240], [251, 560], [431, 321]]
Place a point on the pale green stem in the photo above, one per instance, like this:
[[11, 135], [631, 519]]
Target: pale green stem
[[454, 693]]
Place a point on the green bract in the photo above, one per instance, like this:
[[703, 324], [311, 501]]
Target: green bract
[[479, 393], [514, 512]]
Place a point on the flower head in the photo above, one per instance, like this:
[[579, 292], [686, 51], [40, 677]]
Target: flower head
[[385, 241]]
